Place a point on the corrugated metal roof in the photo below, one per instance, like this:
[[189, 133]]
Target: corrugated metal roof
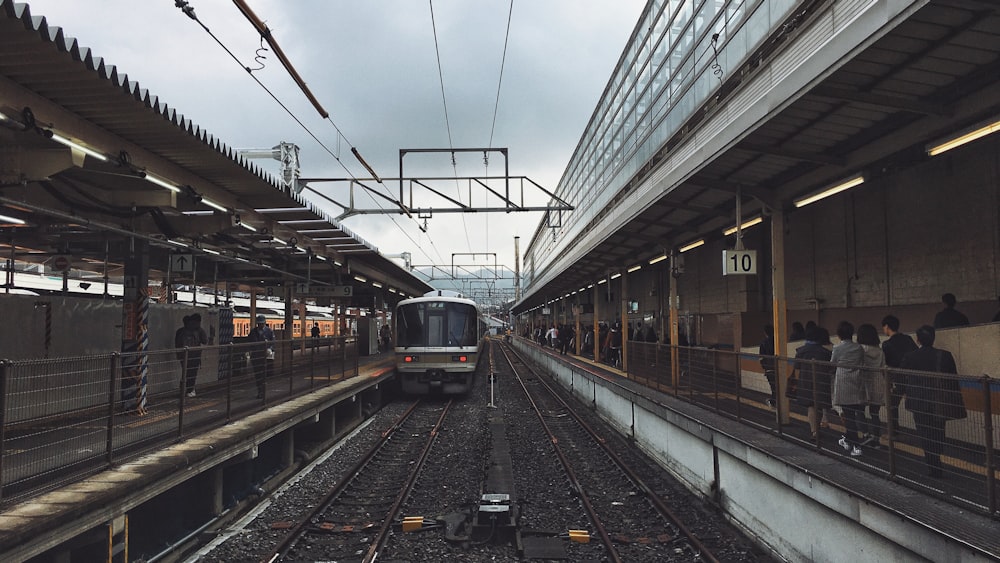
[[79, 95]]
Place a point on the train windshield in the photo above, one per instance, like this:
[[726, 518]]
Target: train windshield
[[436, 324]]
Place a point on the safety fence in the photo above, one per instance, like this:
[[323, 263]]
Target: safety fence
[[64, 418], [937, 431]]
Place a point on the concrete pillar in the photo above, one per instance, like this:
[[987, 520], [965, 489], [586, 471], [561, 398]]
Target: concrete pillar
[[597, 322], [214, 483], [287, 446]]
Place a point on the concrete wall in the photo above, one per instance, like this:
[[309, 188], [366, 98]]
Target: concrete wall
[[785, 506]]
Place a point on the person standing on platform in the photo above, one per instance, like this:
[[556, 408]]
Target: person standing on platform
[[873, 380], [949, 316], [259, 354], [815, 375], [190, 336], [768, 362], [895, 348], [848, 392], [932, 399], [315, 330]]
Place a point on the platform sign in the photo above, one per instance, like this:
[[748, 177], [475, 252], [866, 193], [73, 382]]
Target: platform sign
[[182, 262], [739, 262], [274, 291], [332, 291]]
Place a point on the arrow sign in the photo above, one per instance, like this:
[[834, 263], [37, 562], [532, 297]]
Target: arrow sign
[[182, 262]]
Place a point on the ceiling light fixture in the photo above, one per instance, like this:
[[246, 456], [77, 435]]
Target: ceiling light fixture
[[634, 268], [659, 258], [162, 183], [755, 221], [692, 245], [9, 219], [214, 205], [616, 275], [832, 190], [977, 132], [76, 146]]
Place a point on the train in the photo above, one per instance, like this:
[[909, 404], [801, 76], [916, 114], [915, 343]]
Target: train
[[242, 324], [438, 339]]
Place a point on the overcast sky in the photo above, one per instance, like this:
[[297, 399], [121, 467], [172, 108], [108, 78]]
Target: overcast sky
[[372, 65]]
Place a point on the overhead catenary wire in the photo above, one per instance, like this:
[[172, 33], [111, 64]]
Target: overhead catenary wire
[[188, 10], [496, 105], [447, 123]]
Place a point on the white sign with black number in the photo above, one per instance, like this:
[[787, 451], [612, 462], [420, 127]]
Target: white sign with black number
[[739, 262]]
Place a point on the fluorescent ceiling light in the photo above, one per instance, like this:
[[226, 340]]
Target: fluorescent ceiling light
[[692, 246], [279, 241], [602, 280], [214, 205], [616, 275], [755, 221], [835, 189], [248, 227], [376, 284], [9, 219], [210, 251], [976, 133], [634, 268], [392, 290], [79, 147], [177, 243], [660, 258], [162, 183], [360, 279]]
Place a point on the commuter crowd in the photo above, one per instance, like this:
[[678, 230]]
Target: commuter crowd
[[861, 374]]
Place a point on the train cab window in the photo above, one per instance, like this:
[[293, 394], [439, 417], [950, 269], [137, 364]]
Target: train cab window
[[436, 324]]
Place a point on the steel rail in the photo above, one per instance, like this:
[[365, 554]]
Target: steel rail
[[655, 499], [281, 550], [567, 466], [383, 532]]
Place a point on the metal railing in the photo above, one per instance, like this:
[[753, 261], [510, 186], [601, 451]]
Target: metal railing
[[61, 419], [937, 431]]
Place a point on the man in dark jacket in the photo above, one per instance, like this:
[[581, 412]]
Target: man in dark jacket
[[895, 348], [815, 376], [768, 362], [188, 339], [261, 352], [933, 400], [949, 316]]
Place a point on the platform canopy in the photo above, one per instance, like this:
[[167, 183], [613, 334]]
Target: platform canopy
[[91, 163]]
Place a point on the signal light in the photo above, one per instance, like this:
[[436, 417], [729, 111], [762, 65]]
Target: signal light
[[407, 359]]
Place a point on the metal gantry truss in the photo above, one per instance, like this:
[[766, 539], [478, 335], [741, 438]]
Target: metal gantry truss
[[420, 196]]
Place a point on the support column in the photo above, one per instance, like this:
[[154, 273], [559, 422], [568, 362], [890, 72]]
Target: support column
[[135, 328], [674, 305], [597, 322], [780, 310], [625, 325]]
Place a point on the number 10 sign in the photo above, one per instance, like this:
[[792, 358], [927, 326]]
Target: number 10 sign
[[739, 262]]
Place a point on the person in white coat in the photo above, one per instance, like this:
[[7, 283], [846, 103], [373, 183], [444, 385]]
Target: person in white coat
[[848, 391]]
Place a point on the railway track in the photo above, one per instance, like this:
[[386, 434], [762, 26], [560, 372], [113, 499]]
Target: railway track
[[354, 518], [631, 520]]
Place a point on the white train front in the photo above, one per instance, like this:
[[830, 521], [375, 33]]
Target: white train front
[[438, 338]]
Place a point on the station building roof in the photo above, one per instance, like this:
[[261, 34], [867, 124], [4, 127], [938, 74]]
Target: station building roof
[[151, 174], [774, 137]]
